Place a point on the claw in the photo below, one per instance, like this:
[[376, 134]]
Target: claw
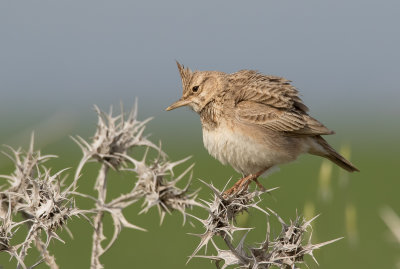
[[243, 184]]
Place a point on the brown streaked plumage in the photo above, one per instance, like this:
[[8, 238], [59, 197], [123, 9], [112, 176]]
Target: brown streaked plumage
[[253, 121]]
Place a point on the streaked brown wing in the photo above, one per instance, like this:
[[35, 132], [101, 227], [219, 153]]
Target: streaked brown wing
[[269, 90], [272, 102], [290, 122]]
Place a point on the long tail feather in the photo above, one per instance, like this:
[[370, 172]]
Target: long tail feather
[[331, 154]]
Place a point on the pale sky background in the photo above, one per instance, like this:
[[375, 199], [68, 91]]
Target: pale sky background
[[68, 55]]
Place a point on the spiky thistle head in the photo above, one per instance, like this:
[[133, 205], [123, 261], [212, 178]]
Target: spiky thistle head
[[114, 136], [39, 196], [26, 164], [34, 191], [157, 185], [223, 210], [286, 251], [45, 203]]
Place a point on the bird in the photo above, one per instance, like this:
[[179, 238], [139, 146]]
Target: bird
[[253, 122]]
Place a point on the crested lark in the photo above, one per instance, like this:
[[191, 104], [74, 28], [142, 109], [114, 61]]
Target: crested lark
[[253, 121]]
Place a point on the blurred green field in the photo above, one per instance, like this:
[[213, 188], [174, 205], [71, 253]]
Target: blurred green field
[[349, 204]]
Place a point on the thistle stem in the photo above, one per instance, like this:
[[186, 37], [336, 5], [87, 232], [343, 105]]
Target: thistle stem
[[228, 242], [47, 257], [98, 236]]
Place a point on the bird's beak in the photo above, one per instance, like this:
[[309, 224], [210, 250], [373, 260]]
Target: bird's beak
[[179, 103]]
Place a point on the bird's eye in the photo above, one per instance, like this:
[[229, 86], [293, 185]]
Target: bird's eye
[[195, 88]]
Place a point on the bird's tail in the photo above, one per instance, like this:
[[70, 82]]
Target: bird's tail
[[331, 154]]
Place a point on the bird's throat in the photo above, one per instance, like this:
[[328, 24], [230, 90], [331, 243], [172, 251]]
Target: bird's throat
[[209, 116]]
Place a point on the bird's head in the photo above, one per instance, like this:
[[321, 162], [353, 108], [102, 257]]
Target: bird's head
[[199, 88]]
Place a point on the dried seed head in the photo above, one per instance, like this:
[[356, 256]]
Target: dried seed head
[[157, 186], [223, 211], [46, 204], [114, 136], [285, 251], [35, 193], [26, 167]]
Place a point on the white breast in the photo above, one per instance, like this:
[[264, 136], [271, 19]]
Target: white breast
[[242, 152]]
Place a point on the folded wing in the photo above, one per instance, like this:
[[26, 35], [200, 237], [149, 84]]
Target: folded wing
[[273, 103]]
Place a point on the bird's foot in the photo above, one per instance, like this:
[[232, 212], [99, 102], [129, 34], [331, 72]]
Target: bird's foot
[[243, 184], [259, 185]]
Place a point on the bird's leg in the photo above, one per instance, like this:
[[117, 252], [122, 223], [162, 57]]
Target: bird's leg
[[239, 185], [243, 183], [259, 185]]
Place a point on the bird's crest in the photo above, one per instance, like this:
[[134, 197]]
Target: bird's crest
[[186, 75]]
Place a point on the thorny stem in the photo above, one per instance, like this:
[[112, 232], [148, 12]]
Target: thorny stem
[[101, 183], [32, 234], [229, 244], [48, 259], [130, 198], [41, 247], [101, 187]]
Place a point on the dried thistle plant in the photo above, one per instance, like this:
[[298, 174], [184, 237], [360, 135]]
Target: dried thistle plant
[[46, 204], [285, 251], [38, 196], [114, 137]]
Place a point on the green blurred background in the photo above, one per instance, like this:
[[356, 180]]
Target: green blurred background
[[60, 58]]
